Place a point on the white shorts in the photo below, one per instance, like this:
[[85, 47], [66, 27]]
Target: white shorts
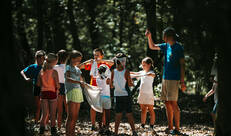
[[106, 102]]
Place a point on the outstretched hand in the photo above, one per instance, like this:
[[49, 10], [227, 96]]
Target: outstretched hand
[[204, 99], [147, 33]]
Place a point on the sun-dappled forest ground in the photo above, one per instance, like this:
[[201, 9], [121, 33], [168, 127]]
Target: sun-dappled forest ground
[[195, 119]]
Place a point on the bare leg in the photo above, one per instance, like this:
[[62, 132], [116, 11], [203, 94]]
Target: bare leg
[[117, 122], [143, 113], [152, 114], [169, 112], [52, 109], [93, 116], [37, 104], [45, 112], [107, 116], [176, 112], [60, 110], [73, 111], [131, 121]]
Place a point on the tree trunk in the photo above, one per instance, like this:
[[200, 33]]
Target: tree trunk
[[27, 59], [93, 30], [40, 28], [121, 24], [73, 27], [12, 112], [58, 31]]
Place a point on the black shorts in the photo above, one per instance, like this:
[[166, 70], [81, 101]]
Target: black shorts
[[123, 104], [62, 89], [36, 90]]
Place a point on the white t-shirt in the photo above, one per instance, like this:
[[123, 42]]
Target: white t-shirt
[[102, 83], [146, 83], [60, 69], [103, 86]]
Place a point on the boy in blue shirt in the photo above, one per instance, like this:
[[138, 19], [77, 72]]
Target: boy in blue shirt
[[173, 72], [30, 73]]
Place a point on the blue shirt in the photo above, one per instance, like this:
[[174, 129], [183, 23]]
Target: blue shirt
[[172, 56], [75, 74], [32, 72]]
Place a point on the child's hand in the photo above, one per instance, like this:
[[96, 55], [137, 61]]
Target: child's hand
[[108, 81], [147, 33], [82, 84], [28, 79], [183, 86], [204, 99]]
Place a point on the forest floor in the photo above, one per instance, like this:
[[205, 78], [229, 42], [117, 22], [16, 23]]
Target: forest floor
[[195, 119]]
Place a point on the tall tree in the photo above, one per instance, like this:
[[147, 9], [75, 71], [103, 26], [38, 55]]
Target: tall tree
[[40, 28], [92, 23], [58, 29], [73, 27], [150, 9], [21, 32]]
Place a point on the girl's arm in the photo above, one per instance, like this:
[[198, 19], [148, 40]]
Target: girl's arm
[[134, 73], [82, 65], [208, 94], [69, 79], [24, 76], [151, 74], [128, 78], [56, 78]]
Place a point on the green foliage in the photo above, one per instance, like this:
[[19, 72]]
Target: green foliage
[[118, 26]]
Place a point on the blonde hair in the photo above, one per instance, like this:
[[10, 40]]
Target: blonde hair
[[51, 57]]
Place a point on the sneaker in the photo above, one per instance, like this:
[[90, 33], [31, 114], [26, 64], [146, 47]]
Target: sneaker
[[93, 128], [142, 126], [167, 131], [107, 132], [41, 130], [176, 132], [134, 133], [54, 131]]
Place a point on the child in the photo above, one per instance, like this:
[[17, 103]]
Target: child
[[173, 75], [103, 81], [62, 57], [121, 80], [213, 91], [93, 65], [30, 73], [73, 80], [146, 96], [48, 80]]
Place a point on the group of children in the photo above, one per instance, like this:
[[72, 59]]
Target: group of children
[[55, 85]]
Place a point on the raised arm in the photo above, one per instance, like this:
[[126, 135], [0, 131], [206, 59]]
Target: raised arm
[[151, 44], [82, 65]]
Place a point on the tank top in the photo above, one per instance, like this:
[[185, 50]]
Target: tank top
[[48, 82], [146, 83], [119, 83]]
